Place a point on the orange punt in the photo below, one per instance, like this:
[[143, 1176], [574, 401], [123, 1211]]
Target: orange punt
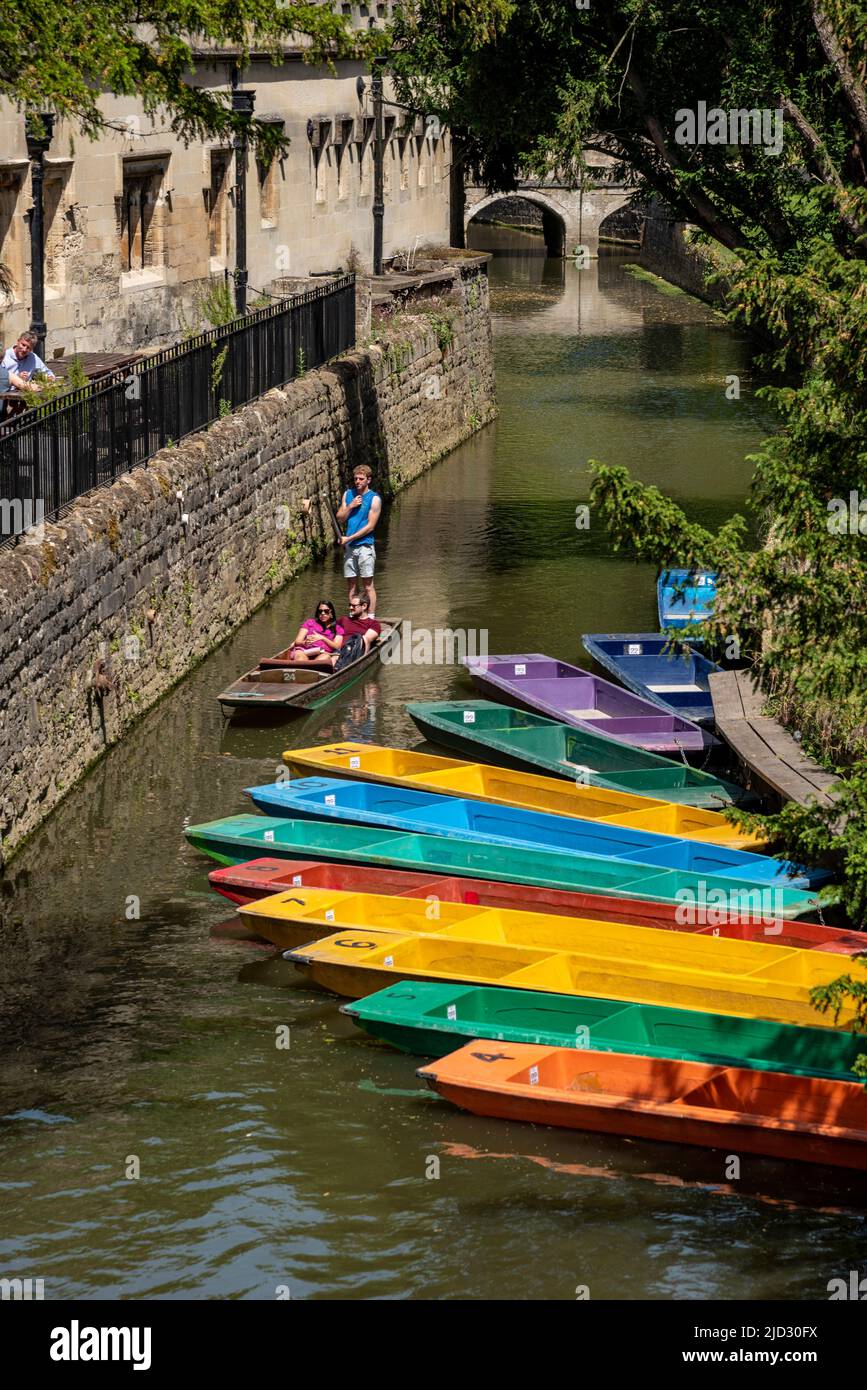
[[743, 1111]]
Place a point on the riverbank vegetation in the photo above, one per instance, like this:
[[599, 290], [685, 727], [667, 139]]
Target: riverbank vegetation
[[539, 85]]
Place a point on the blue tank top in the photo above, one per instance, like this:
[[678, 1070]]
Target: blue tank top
[[360, 517]]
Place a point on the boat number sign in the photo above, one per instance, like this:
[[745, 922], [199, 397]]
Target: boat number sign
[[469, 716], [358, 945], [633, 649], [521, 670]]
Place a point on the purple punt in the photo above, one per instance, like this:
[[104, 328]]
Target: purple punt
[[560, 691]]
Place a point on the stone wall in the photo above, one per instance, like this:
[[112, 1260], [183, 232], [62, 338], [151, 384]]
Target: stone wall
[[668, 251], [154, 571]]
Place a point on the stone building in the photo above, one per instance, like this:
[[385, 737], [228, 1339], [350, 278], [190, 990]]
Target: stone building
[[137, 225]]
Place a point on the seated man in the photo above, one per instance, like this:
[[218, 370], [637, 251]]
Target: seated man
[[21, 362], [359, 632]]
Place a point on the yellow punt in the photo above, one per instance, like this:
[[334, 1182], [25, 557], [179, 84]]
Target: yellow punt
[[530, 791], [635, 964]]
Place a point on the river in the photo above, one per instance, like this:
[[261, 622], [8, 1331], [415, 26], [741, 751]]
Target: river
[[146, 1043]]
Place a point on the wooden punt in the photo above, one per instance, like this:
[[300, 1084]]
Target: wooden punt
[[675, 679], [277, 686], [332, 799], [528, 791], [564, 692], [357, 962], [235, 839], [685, 597], [519, 739], [300, 914], [248, 883], [432, 1020], [743, 1111]]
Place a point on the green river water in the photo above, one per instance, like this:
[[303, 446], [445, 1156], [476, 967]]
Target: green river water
[[307, 1169]]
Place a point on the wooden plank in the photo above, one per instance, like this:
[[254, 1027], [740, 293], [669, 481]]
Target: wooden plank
[[726, 696], [751, 697], [789, 750], [751, 747], [762, 743]]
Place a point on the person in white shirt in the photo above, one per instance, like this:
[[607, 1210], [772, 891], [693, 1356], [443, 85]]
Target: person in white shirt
[[21, 362]]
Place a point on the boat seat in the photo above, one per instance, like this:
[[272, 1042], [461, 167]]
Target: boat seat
[[273, 663]]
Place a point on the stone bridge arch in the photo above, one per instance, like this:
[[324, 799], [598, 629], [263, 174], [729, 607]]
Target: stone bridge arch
[[555, 217], [571, 217]]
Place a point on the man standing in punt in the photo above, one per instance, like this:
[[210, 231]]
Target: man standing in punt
[[360, 510]]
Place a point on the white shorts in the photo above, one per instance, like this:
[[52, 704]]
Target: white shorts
[[359, 561]]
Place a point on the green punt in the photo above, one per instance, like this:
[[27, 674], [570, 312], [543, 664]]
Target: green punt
[[236, 839], [517, 739], [432, 1020]]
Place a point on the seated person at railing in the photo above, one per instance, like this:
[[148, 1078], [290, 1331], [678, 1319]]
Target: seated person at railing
[[23, 363], [318, 638]]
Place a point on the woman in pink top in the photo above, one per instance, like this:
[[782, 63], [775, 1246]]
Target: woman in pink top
[[318, 638]]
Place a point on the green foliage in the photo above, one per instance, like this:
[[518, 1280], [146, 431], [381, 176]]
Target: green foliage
[[442, 326], [217, 304], [76, 377], [217, 366], [66, 56], [832, 836], [539, 85]]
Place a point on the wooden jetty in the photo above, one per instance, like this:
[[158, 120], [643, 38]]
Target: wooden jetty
[[762, 744]]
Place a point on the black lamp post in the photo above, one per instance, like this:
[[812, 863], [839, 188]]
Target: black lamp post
[[243, 99], [38, 132], [378, 154]]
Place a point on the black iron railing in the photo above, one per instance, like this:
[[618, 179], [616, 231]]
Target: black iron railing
[[61, 449]]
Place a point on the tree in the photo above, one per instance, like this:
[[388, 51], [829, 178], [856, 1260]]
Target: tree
[[60, 58], [540, 83]]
